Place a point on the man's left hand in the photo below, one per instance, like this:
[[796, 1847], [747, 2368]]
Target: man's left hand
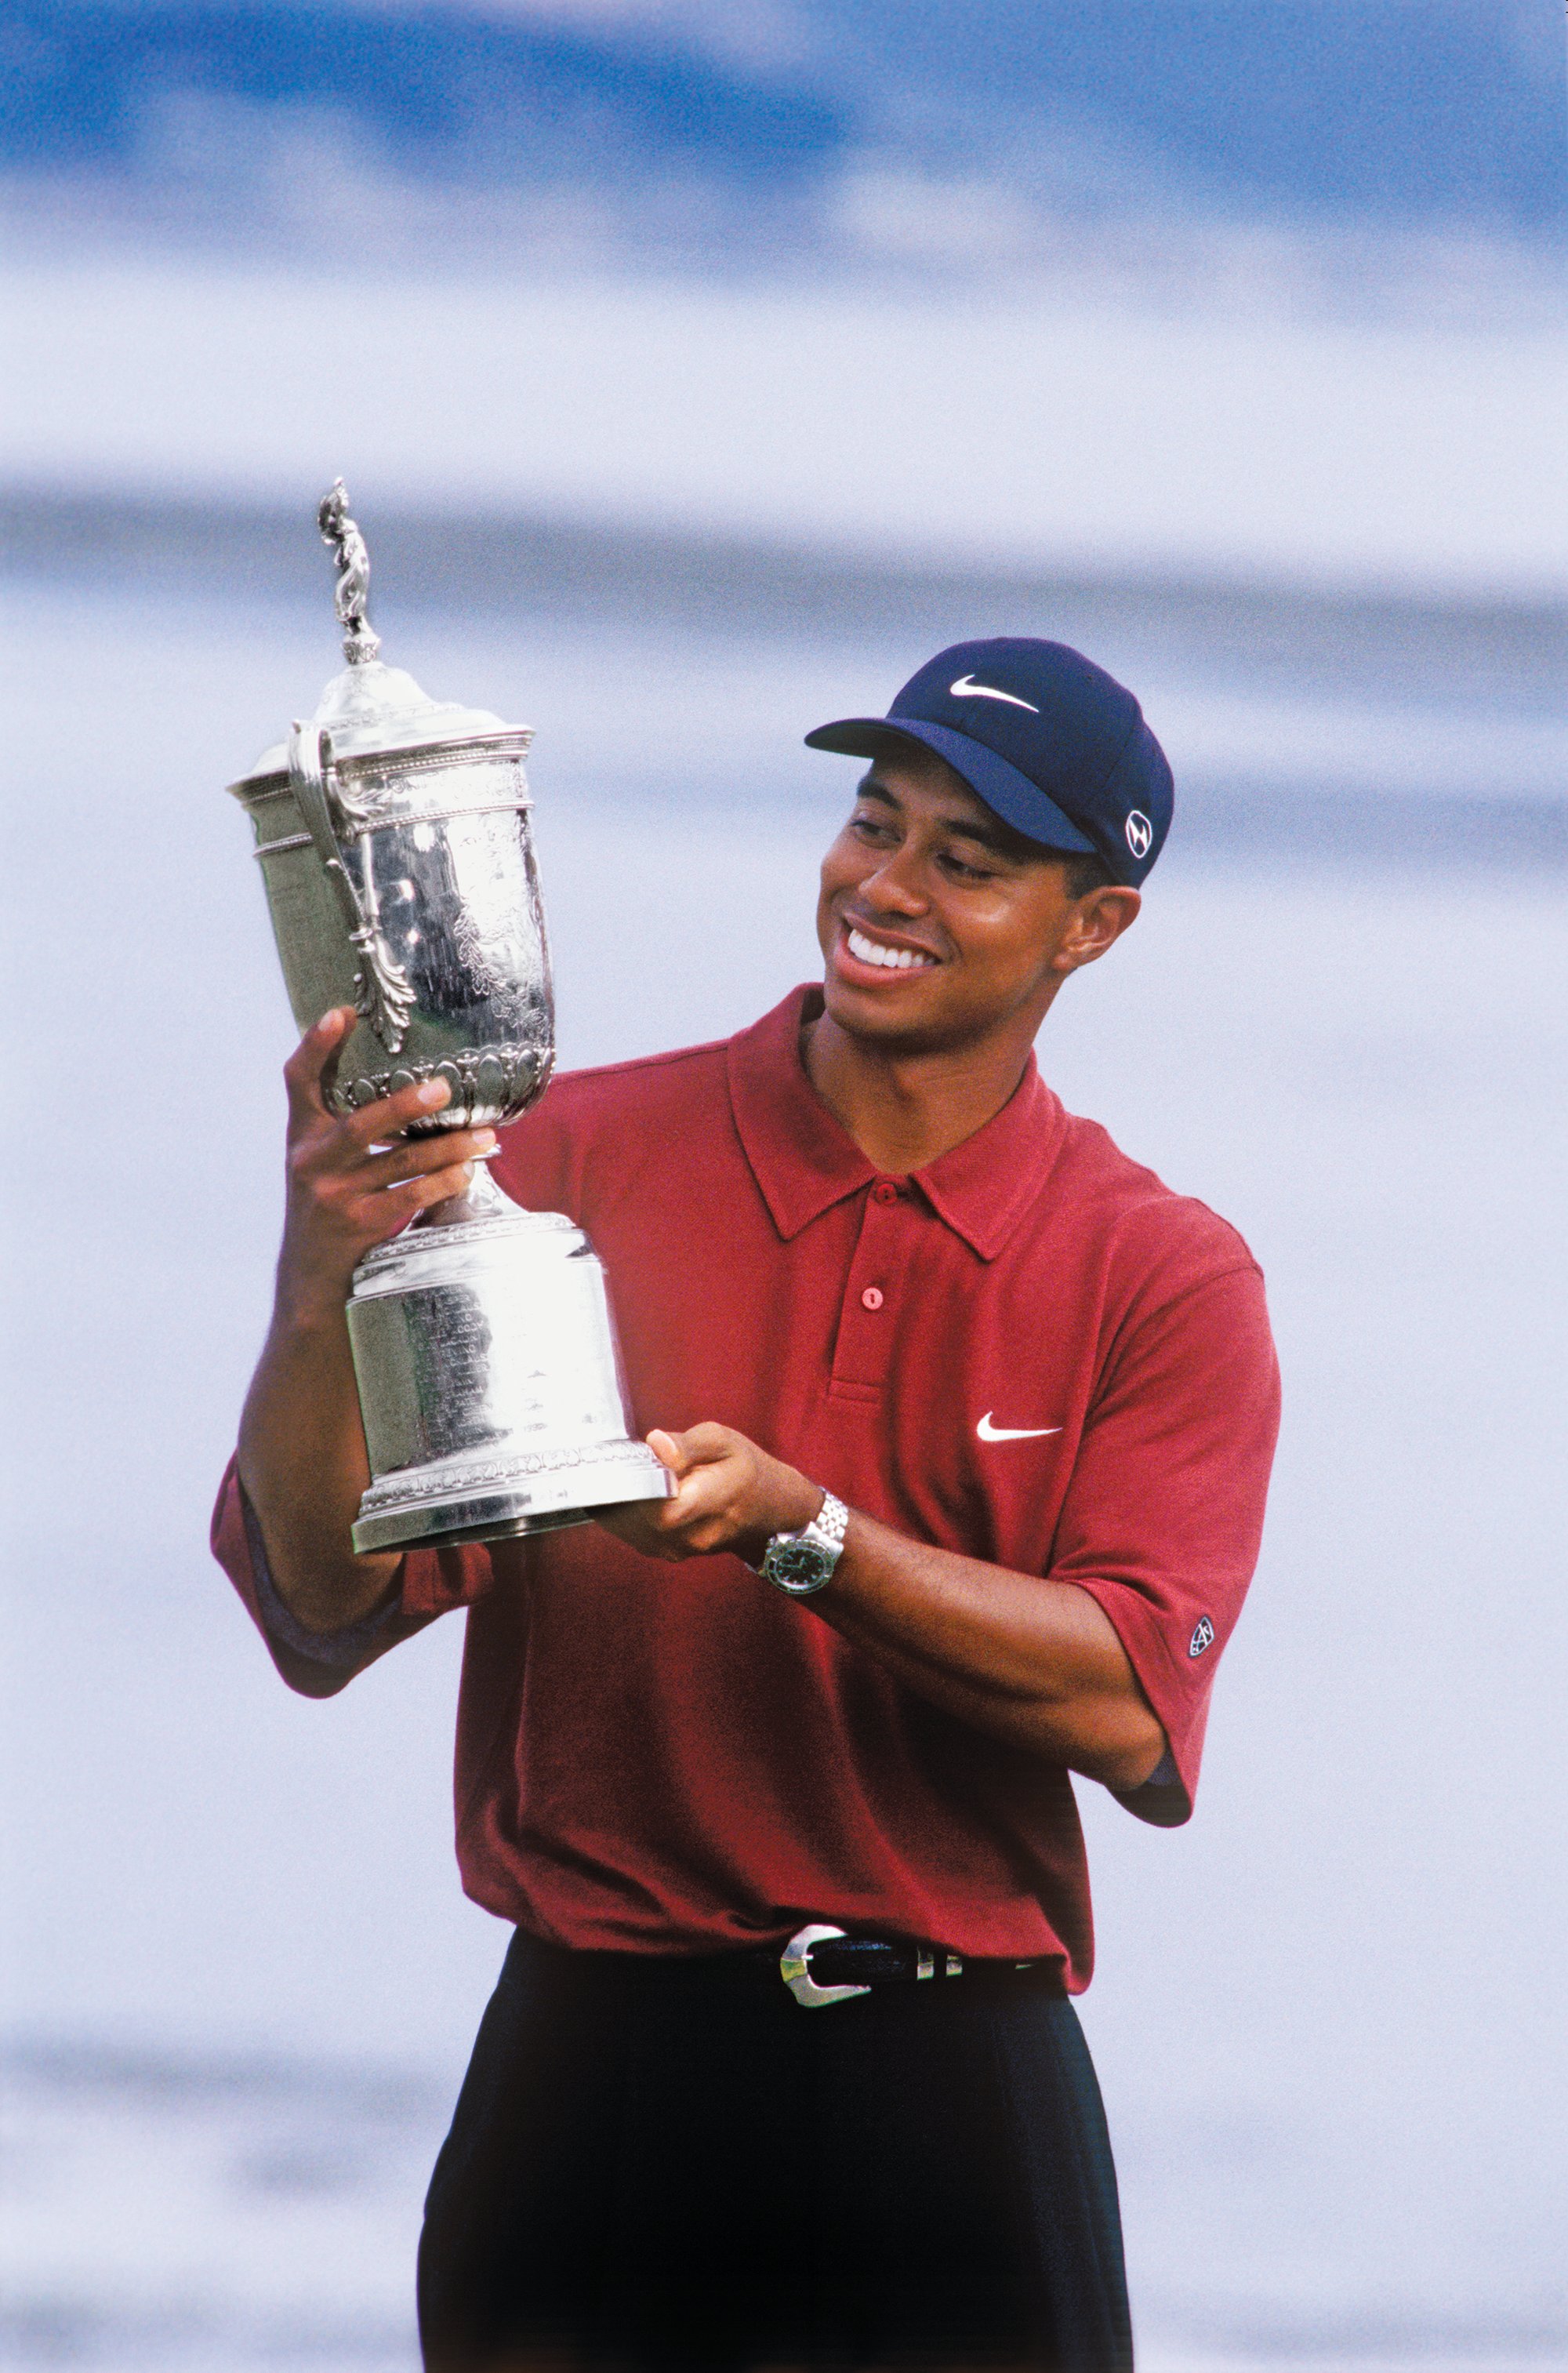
[[729, 1495]]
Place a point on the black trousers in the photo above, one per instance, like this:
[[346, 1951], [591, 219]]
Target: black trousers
[[670, 2165]]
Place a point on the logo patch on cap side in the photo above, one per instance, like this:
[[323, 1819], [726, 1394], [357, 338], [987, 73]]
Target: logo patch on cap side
[[1202, 1637], [1140, 839]]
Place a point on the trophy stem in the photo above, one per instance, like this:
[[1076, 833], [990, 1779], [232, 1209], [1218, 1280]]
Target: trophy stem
[[481, 1199]]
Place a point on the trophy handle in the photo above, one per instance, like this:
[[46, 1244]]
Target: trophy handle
[[383, 993]]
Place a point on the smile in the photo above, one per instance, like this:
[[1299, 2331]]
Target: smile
[[873, 952]]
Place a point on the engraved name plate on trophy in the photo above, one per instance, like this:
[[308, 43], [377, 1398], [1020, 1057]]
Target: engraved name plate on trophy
[[393, 836]]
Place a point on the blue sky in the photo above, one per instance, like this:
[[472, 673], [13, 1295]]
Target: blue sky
[[1391, 113]]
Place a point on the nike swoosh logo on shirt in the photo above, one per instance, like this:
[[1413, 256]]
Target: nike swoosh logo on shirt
[[989, 1432], [967, 689]]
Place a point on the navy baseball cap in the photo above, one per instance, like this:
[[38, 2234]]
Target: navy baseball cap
[[1053, 745]]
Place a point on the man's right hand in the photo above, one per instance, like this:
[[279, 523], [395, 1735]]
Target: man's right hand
[[355, 1181], [352, 1182]]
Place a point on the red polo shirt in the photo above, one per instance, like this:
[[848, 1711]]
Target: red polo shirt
[[1031, 1352]]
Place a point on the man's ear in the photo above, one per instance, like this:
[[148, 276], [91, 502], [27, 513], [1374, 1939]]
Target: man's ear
[[1102, 916]]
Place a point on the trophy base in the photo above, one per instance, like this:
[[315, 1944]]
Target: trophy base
[[442, 1506], [489, 1380]]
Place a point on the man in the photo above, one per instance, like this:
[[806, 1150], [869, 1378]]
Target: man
[[783, 2069]]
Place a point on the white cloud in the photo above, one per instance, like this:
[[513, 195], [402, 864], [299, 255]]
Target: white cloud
[[1041, 430]]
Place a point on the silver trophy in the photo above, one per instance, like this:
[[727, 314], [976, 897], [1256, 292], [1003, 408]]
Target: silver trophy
[[393, 836]]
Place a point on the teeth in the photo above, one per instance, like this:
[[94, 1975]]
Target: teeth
[[872, 952]]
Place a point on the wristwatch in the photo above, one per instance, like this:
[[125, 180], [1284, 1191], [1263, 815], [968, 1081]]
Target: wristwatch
[[804, 1561]]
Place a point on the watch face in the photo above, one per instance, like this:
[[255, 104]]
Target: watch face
[[798, 1565]]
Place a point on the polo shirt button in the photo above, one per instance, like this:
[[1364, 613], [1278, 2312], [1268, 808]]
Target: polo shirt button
[[872, 1298], [884, 1191]]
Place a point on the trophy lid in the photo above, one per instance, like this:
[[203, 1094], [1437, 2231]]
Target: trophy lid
[[369, 709]]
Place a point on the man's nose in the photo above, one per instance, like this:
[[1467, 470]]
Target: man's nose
[[896, 886]]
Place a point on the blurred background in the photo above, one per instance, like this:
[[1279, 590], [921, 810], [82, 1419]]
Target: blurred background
[[696, 370]]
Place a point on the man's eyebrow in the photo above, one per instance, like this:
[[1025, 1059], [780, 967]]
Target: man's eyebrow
[[996, 837]]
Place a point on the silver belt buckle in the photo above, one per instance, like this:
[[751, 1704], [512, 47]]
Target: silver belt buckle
[[794, 1968]]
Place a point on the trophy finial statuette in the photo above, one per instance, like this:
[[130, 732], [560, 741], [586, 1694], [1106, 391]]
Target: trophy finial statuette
[[360, 643]]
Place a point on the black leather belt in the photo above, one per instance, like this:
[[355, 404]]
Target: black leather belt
[[822, 1964], [819, 1964]]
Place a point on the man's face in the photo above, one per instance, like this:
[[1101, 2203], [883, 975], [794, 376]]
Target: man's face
[[940, 924]]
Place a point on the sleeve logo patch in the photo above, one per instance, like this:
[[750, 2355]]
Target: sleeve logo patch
[[1202, 1637]]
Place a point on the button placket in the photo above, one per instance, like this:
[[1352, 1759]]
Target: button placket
[[863, 1351]]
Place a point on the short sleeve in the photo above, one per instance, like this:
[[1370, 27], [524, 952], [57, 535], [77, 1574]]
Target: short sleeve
[[427, 1583], [1164, 1516]]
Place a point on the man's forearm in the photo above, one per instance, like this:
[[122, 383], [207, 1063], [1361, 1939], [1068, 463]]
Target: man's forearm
[[1033, 1661], [303, 1463], [352, 1181]]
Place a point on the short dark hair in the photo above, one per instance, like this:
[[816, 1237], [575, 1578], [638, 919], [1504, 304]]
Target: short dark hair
[[1085, 873]]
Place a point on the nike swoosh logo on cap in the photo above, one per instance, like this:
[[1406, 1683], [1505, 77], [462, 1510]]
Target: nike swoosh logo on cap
[[967, 689], [989, 1432]]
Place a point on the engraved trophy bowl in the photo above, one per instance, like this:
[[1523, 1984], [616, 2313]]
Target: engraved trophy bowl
[[392, 832]]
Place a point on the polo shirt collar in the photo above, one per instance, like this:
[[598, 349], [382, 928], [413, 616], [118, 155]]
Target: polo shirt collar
[[804, 1161]]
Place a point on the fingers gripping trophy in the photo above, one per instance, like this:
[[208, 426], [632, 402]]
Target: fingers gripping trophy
[[392, 832]]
